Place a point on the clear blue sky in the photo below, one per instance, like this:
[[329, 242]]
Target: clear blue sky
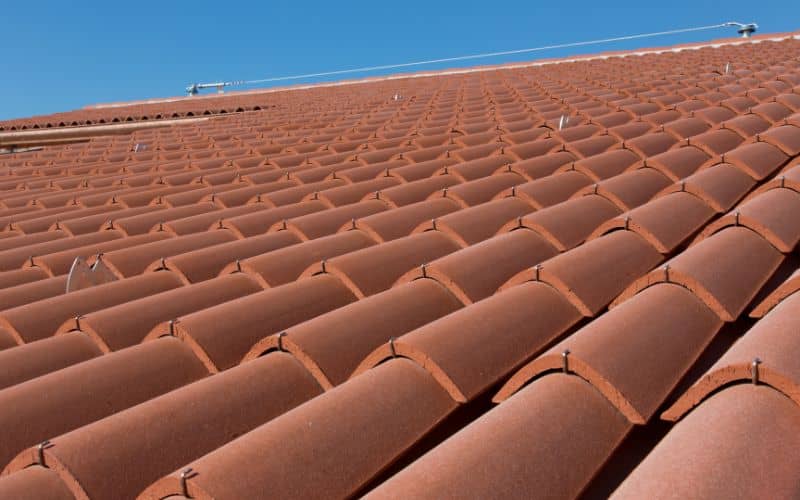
[[62, 55]]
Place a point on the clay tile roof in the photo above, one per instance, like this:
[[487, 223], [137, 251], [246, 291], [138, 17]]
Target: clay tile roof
[[574, 276]]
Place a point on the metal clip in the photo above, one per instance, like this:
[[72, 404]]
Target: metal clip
[[754, 370], [40, 451], [186, 474], [391, 347], [565, 361], [280, 341], [666, 273]]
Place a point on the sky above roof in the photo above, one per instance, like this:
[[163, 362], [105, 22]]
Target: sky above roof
[[59, 56]]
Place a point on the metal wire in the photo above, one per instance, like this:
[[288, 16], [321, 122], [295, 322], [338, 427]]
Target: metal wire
[[367, 69]]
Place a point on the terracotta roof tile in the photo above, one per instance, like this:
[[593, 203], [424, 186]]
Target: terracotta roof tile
[[221, 335], [407, 394], [254, 393], [605, 165], [542, 166], [146, 370], [29, 361], [721, 186], [567, 224], [110, 330], [678, 163], [247, 225], [362, 326], [376, 268], [127, 262], [59, 263], [591, 275], [734, 253], [705, 455], [549, 190], [14, 257], [634, 372], [665, 222], [630, 189], [505, 255], [35, 483], [32, 292], [475, 224], [515, 445], [769, 214], [41, 319]]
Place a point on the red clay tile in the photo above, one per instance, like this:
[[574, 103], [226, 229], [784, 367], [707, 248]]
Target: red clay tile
[[592, 146], [758, 160], [769, 344], [286, 264], [714, 115], [489, 334], [127, 262], [716, 142], [568, 224], [786, 138], [735, 253], [677, 163], [509, 452], [341, 423], [29, 361], [21, 276], [60, 263], [421, 170], [549, 190], [31, 292], [482, 190], [201, 222], [77, 395], [37, 320], [772, 111], [650, 144], [371, 270], [605, 165], [327, 222], [35, 483], [505, 255], [415, 191], [630, 189], [142, 223], [665, 222], [253, 394], [533, 149], [221, 335], [400, 222], [542, 166], [721, 186], [591, 275], [686, 127], [109, 330], [343, 195], [634, 355], [248, 225], [747, 125], [240, 196], [361, 326], [15, 239], [710, 454], [475, 224], [14, 258], [770, 214]]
